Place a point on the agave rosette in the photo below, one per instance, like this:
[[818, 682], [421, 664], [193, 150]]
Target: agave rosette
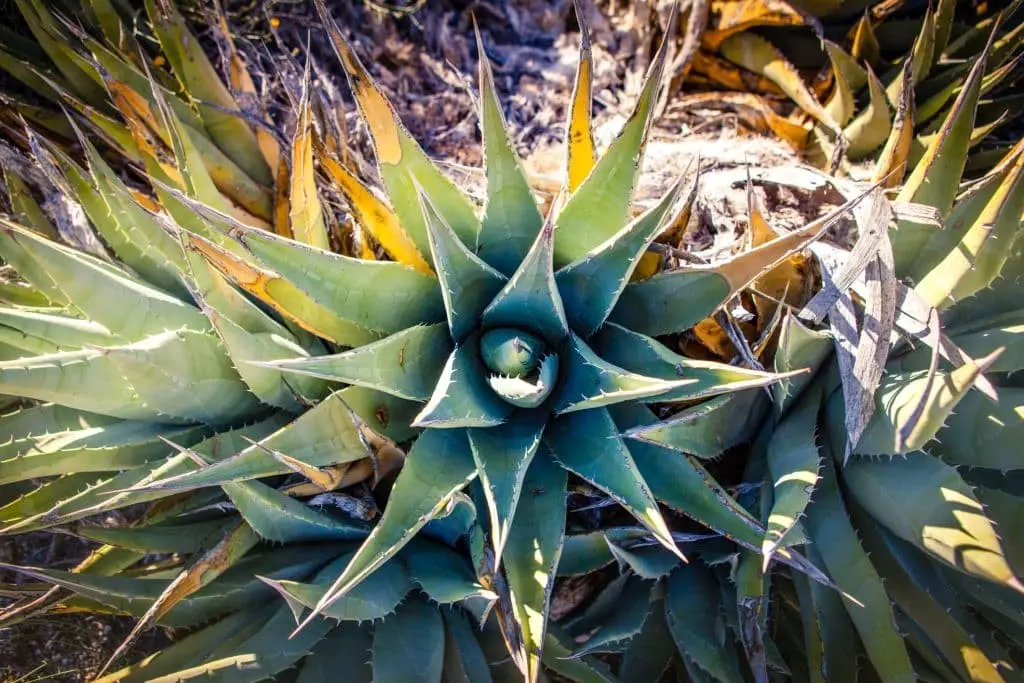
[[184, 360]]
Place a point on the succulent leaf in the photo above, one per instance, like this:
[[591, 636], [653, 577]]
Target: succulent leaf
[[402, 162], [590, 382], [503, 455], [708, 429], [462, 396], [599, 207], [511, 219], [407, 364], [530, 299], [439, 464], [587, 443], [862, 590], [346, 648], [468, 284], [590, 286], [691, 609], [925, 502], [531, 557]]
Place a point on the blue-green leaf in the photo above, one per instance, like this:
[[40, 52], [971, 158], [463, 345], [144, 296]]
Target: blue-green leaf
[[409, 646], [530, 299], [511, 218], [468, 284], [588, 444], [462, 397]]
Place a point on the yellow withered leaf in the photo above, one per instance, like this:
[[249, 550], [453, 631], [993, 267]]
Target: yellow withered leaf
[[892, 162], [724, 73], [280, 294], [729, 17], [374, 215], [870, 129], [756, 54], [305, 212], [864, 44], [580, 152], [241, 81], [282, 203]]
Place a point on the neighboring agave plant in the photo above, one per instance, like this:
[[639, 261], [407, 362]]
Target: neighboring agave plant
[[485, 344], [859, 95], [883, 465]]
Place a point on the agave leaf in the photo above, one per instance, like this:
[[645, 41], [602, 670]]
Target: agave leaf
[[941, 167], [691, 609], [891, 166], [105, 294], [328, 434], [684, 485], [49, 37], [468, 284], [647, 356], [277, 517], [793, 464], [531, 556], [646, 561], [756, 54], [511, 218], [134, 381], [862, 591], [406, 364], [235, 543], [186, 651], [623, 624], [925, 502], [911, 408], [42, 333], [265, 654], [464, 660], [249, 349], [24, 207], [346, 648], [503, 454], [589, 382], [462, 397], [751, 611], [591, 285], [160, 260], [376, 598], [402, 162], [280, 294], [985, 434], [43, 498], [442, 573], [201, 81], [974, 263], [439, 464], [848, 77], [652, 650], [19, 427], [38, 78], [531, 294], [708, 429], [798, 347], [599, 207], [176, 538], [927, 602], [828, 631], [587, 443], [652, 307], [373, 215], [580, 151], [410, 646], [307, 219], [109, 448], [870, 129], [378, 295]]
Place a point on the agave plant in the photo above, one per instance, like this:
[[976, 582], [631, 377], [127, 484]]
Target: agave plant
[[759, 50], [186, 357]]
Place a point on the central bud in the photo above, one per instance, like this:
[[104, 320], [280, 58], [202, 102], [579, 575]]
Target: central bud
[[522, 371]]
